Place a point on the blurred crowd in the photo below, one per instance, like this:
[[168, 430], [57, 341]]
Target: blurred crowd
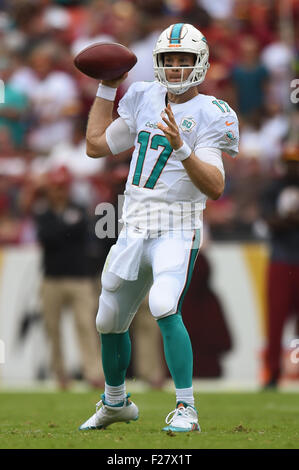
[[253, 47]]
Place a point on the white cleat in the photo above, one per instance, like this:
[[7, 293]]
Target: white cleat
[[183, 419], [108, 414]]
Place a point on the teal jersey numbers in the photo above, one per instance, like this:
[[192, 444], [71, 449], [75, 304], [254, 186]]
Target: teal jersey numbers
[[143, 138], [222, 105], [156, 141]]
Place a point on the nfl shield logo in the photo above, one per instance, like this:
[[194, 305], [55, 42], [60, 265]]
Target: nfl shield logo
[[187, 124]]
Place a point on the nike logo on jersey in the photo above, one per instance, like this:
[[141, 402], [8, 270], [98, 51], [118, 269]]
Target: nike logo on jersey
[[228, 123]]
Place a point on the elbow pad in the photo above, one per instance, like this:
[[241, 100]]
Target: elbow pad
[[118, 136], [211, 156]]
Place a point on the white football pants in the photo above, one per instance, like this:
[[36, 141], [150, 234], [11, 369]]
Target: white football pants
[[165, 270]]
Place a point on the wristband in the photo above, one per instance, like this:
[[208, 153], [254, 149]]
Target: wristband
[[183, 152], [106, 92]]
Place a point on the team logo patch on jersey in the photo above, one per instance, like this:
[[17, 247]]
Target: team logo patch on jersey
[[187, 124], [230, 137]]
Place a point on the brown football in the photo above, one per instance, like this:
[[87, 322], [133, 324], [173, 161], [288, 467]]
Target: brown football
[[105, 61]]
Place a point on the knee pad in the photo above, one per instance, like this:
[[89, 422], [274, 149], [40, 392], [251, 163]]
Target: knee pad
[[163, 296], [110, 317], [107, 314], [106, 321], [110, 281]]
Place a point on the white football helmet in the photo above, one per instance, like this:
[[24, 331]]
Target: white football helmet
[[182, 37]]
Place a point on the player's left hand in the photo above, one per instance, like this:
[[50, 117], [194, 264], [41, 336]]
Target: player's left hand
[[171, 131]]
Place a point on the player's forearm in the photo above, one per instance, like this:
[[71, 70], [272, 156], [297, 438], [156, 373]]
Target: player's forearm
[[207, 178], [100, 117]]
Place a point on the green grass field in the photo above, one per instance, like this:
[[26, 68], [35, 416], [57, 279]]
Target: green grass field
[[265, 420]]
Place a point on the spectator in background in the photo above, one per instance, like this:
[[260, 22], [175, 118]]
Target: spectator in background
[[122, 21], [7, 146], [10, 226], [13, 110], [277, 57], [54, 100], [62, 230], [53, 96], [262, 136], [224, 50], [27, 25], [93, 27], [280, 210], [58, 22], [294, 125], [233, 216], [249, 78], [220, 9], [71, 153]]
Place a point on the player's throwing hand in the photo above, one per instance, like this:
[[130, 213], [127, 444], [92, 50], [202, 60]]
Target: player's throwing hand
[[116, 82], [171, 131]]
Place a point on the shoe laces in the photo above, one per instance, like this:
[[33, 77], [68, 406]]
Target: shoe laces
[[101, 402], [180, 411], [98, 405]]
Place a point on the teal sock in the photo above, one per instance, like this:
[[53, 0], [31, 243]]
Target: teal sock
[[116, 355], [177, 349]]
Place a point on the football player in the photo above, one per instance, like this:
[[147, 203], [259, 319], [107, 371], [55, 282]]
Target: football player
[[178, 135]]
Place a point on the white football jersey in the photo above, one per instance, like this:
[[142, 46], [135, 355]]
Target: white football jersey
[[159, 193]]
